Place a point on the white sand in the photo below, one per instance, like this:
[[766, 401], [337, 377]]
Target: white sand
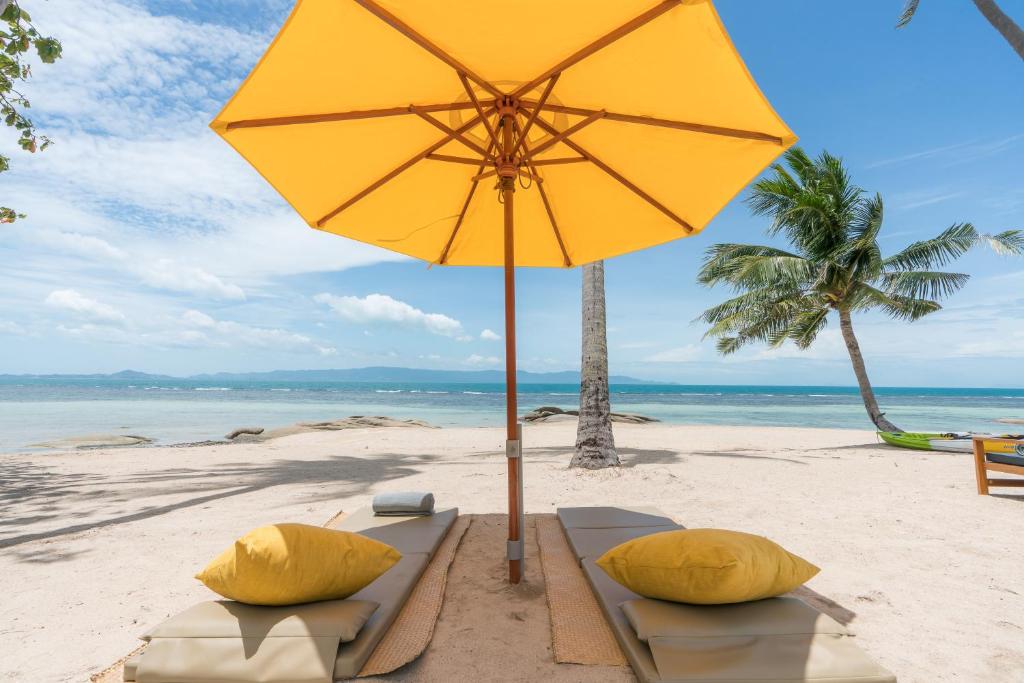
[[97, 545]]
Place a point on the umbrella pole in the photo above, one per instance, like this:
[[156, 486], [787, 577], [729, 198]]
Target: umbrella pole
[[513, 445]]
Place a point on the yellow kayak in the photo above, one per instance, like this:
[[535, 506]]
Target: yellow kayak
[[956, 442]]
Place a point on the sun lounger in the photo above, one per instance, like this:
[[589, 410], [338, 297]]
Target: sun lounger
[[782, 640], [227, 641], [1006, 463]]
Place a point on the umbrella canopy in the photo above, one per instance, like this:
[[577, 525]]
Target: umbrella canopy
[[409, 125]]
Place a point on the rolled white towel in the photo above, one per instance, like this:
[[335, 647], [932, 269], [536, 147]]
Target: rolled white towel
[[403, 503]]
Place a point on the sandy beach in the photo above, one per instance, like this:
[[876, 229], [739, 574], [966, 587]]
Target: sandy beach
[[97, 545]]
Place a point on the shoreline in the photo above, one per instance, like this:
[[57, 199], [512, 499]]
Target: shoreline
[[46, 412], [288, 430]]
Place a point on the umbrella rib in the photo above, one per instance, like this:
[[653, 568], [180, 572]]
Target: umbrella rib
[[421, 40], [479, 109], [598, 44], [556, 162], [619, 177], [565, 133], [667, 123], [554, 224], [342, 115], [452, 133], [458, 224], [454, 159], [536, 112], [547, 204], [398, 170], [462, 214]]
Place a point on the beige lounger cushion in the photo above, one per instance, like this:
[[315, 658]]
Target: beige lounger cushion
[[131, 667], [341, 619], [610, 595], [594, 543], [231, 641], [785, 643], [417, 538], [230, 660], [824, 658], [417, 534], [391, 591], [652, 618], [611, 517], [309, 658]]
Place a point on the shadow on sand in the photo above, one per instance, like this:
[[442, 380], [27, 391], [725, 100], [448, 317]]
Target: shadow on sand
[[34, 494]]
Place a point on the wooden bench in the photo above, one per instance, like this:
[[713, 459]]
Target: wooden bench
[[982, 465]]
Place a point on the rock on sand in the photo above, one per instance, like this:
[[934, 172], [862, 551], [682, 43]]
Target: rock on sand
[[554, 414], [256, 434], [94, 441]]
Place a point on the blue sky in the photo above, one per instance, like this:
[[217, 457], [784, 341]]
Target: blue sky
[[151, 245]]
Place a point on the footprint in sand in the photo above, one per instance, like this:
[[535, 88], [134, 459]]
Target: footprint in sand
[[874, 597]]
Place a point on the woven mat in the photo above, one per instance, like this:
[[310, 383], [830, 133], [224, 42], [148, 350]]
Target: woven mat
[[579, 632], [412, 630]]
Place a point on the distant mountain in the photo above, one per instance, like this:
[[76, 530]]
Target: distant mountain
[[374, 374], [389, 374], [124, 374]]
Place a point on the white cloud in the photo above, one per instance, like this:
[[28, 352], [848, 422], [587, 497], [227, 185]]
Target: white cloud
[[1005, 341], [85, 245], [159, 273], [829, 346], [478, 360], [138, 55], [229, 333], [71, 300], [957, 153], [8, 327], [173, 206], [166, 274], [680, 354], [381, 308], [490, 335], [101, 333], [637, 345]]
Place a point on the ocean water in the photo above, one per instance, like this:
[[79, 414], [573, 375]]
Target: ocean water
[[175, 411]]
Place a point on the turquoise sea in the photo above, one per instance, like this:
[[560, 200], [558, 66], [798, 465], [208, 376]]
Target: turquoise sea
[[175, 411]]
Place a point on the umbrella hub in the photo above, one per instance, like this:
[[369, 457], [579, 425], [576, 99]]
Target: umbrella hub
[[507, 106], [508, 162]]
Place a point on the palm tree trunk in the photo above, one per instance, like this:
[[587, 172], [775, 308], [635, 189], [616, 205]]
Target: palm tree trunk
[[1003, 23], [866, 392], [595, 445]]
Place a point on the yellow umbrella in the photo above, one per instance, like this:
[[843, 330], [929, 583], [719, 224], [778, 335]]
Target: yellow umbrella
[[624, 124]]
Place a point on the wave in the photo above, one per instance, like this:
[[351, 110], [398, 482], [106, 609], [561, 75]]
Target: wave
[[437, 392], [212, 389], [280, 389], [475, 393], [388, 391]]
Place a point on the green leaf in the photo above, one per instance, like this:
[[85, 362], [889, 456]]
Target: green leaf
[[908, 13]]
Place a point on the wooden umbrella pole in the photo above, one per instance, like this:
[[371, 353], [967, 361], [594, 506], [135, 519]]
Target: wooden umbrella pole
[[508, 172]]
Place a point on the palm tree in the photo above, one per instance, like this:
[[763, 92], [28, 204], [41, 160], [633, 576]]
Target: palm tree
[[995, 15], [595, 444], [836, 265]]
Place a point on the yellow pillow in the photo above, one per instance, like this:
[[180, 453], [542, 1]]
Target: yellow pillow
[[287, 564], [705, 566]]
